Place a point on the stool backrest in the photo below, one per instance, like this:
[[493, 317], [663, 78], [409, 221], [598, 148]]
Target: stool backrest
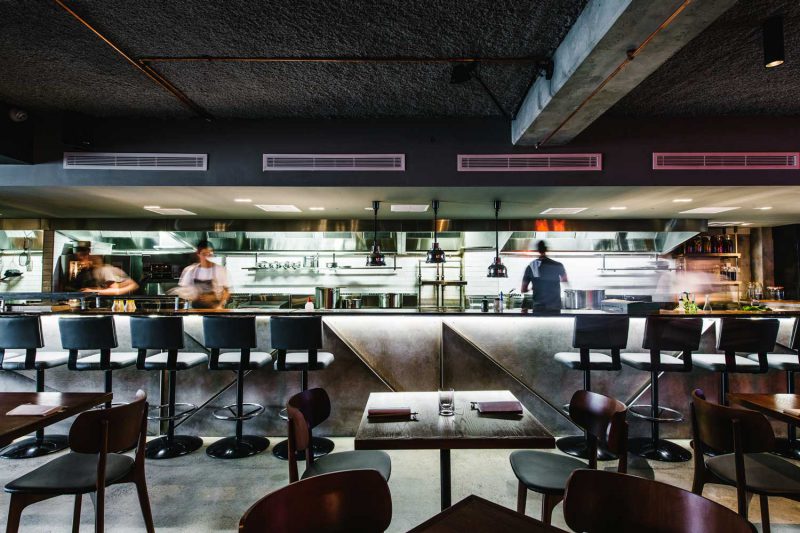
[[597, 501], [747, 335], [157, 332], [603, 419], [600, 332], [674, 334], [229, 332], [306, 410], [296, 332], [794, 343], [21, 332], [125, 426], [725, 429], [87, 332], [351, 500]]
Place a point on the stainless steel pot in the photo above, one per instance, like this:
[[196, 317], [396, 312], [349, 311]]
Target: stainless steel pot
[[583, 299], [390, 300], [326, 297], [351, 303]]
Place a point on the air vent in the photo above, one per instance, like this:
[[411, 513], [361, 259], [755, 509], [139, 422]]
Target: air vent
[[726, 160], [528, 162], [121, 161], [328, 162]]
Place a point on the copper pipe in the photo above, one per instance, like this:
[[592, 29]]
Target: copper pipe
[[141, 67], [214, 59], [630, 56]]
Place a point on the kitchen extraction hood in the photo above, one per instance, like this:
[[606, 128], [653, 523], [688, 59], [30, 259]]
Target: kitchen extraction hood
[[657, 242]]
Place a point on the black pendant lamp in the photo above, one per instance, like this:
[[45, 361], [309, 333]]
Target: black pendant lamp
[[376, 258], [497, 269], [435, 254]]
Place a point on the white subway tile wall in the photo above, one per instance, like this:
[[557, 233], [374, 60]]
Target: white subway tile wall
[[30, 281]]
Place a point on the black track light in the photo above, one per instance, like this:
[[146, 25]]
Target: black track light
[[773, 41]]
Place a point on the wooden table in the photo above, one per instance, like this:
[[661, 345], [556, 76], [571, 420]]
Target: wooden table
[[467, 429], [773, 405], [13, 427], [473, 513]]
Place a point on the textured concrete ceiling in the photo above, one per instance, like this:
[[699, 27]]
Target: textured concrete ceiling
[[51, 62], [721, 71]]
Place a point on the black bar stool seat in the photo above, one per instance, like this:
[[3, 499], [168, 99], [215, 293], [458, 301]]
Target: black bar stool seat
[[235, 333], [183, 361], [597, 361], [790, 362], [117, 361], [20, 342], [717, 363], [299, 361], [641, 361]]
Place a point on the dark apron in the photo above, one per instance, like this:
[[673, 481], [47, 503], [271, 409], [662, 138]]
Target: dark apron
[[206, 297]]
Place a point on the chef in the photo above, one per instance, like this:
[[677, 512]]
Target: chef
[[545, 276], [100, 278], [205, 283]]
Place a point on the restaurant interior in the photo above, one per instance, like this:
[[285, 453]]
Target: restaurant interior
[[400, 266]]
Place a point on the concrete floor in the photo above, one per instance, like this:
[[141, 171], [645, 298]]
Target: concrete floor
[[199, 494]]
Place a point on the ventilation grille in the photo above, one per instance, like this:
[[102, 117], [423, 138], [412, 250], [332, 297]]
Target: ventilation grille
[[121, 161], [327, 162], [726, 160], [528, 162]]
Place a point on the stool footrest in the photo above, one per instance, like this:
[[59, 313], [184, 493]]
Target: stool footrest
[[190, 410], [256, 410], [644, 411]]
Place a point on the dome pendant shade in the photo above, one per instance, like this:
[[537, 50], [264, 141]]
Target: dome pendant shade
[[376, 258], [497, 269], [435, 254]]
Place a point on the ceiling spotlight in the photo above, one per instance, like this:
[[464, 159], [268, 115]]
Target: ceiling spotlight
[[316, 209], [618, 208], [773, 41], [765, 208], [242, 200], [682, 200]]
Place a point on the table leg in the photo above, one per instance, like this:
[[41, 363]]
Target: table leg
[[444, 467]]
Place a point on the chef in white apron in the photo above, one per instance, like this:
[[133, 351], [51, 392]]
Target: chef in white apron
[[205, 283]]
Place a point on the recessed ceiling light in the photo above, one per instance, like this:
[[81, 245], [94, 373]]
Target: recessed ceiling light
[[682, 200], [618, 208], [243, 200], [367, 209], [409, 208], [152, 207], [316, 209], [281, 208], [746, 224], [724, 223], [765, 208], [169, 211], [563, 210], [708, 210]]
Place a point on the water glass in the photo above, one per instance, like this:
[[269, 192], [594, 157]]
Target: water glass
[[446, 402]]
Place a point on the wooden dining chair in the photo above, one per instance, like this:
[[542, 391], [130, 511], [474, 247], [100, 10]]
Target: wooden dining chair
[[307, 410], [742, 441], [94, 462], [603, 419], [604, 502], [354, 500]]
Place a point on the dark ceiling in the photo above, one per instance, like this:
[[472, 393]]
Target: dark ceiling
[[721, 71], [50, 61]]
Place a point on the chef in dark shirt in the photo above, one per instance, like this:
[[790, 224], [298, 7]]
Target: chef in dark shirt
[[545, 275]]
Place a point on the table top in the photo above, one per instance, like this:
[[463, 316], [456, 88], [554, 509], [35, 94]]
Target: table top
[[467, 429], [13, 427], [770, 404], [473, 513]]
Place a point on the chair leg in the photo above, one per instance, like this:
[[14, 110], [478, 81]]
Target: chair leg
[[144, 503], [549, 501], [743, 500], [522, 497], [764, 501], [15, 507], [99, 512], [76, 514]]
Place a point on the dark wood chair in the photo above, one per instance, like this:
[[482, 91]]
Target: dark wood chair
[[606, 502], [307, 410], [742, 440], [355, 500], [603, 419], [96, 439]]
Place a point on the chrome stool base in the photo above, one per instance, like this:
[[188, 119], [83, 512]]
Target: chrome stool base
[[233, 448], [576, 446], [162, 448], [320, 446], [190, 410], [33, 447], [255, 411], [665, 451], [644, 411]]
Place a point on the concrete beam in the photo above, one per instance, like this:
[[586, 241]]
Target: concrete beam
[[593, 70]]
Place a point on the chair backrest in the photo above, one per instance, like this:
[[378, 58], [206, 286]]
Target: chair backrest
[[600, 332], [351, 500], [598, 501], [87, 332], [713, 427], [229, 332], [157, 332], [603, 418], [21, 332], [794, 343], [306, 410], [125, 425], [747, 335], [296, 332], [675, 334]]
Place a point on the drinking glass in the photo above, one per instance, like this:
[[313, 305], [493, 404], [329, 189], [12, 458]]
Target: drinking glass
[[446, 402]]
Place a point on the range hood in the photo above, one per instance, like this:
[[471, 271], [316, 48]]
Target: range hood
[[656, 242]]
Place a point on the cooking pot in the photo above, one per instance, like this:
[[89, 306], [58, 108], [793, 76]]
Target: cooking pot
[[326, 297], [351, 303], [390, 300], [583, 299]]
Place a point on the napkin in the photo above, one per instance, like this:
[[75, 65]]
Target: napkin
[[34, 409], [499, 407], [389, 412], [793, 412]]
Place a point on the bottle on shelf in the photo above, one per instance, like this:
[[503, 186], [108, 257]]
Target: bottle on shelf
[[707, 244], [707, 304], [309, 306], [730, 246]]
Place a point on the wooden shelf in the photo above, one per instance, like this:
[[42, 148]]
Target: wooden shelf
[[700, 256]]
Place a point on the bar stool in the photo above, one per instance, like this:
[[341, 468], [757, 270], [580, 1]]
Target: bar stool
[[20, 340], [235, 333], [593, 332], [297, 340], [93, 333], [165, 333], [660, 335], [790, 363], [739, 335]]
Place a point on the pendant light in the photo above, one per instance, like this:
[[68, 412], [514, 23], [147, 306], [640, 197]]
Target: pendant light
[[435, 254], [375, 258], [773, 41], [497, 269]]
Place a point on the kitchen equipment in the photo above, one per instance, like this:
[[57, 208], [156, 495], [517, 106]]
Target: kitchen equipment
[[390, 300], [333, 263], [583, 299], [351, 303], [310, 261], [326, 297], [629, 307]]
